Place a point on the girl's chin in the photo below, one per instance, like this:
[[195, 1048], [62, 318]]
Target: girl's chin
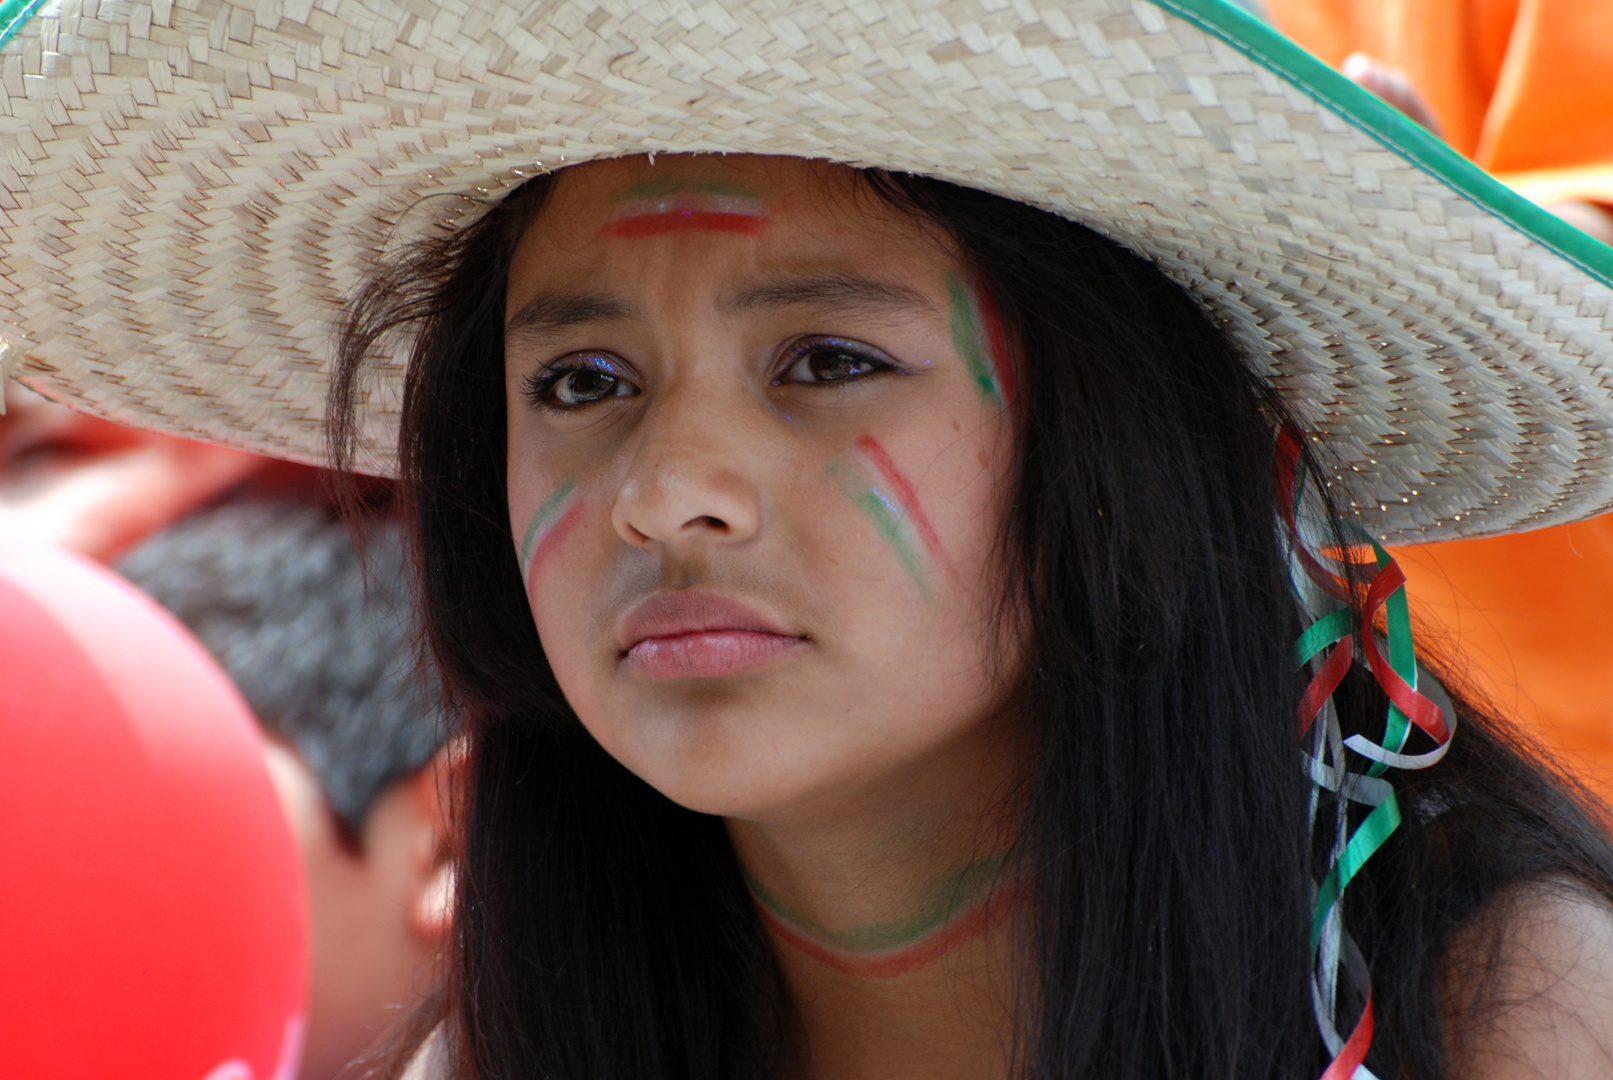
[[757, 779], [749, 785]]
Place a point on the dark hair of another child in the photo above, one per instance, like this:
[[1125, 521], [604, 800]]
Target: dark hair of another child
[[604, 932], [318, 636]]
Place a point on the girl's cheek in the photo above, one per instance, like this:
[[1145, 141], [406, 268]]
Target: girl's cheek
[[870, 480], [546, 513], [546, 532]]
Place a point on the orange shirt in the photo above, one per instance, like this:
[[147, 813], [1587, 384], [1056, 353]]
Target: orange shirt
[[1525, 88], [1530, 619]]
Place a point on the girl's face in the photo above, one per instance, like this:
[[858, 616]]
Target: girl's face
[[757, 458]]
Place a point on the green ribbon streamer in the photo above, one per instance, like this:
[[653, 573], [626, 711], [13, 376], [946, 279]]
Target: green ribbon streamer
[[1333, 626], [1365, 788], [1367, 838], [1402, 658]]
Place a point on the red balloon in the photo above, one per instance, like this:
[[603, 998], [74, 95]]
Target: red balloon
[[155, 920]]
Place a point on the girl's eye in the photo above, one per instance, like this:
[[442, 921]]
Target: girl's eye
[[827, 359], [573, 383]]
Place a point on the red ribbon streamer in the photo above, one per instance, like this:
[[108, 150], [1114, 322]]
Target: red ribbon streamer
[[1418, 709], [1354, 1051], [1288, 445], [1323, 684]]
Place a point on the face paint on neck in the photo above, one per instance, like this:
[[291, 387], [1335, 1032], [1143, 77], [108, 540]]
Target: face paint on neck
[[663, 206], [548, 528], [885, 513], [969, 904], [979, 337]]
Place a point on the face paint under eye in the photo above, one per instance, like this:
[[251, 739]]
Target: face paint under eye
[[908, 497], [886, 514], [979, 337], [657, 207], [548, 528]]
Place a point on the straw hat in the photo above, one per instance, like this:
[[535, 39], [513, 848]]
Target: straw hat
[[189, 189]]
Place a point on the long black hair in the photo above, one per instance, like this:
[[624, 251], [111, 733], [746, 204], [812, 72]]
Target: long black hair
[[605, 932]]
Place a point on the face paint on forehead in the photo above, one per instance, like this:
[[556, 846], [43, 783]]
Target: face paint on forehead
[[662, 206], [979, 337], [548, 528]]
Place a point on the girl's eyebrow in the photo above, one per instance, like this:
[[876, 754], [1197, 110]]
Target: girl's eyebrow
[[840, 290], [844, 291], [557, 311]]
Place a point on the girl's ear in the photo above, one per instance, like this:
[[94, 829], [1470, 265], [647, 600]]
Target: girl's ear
[[432, 914]]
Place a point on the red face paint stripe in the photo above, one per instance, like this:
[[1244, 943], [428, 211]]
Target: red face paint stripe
[[922, 953], [552, 540], [1002, 361], [903, 489], [679, 221]]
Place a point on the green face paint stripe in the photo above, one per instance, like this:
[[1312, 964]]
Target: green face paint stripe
[[711, 186], [970, 340], [543, 517], [886, 518], [957, 893], [783, 910], [889, 524]]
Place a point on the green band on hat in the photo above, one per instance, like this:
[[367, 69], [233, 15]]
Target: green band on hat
[[13, 14], [1396, 131]]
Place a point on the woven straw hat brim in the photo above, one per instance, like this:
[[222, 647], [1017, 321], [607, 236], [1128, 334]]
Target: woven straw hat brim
[[188, 191]]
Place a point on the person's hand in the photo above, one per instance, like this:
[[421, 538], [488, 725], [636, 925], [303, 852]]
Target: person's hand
[[1392, 85], [1395, 88]]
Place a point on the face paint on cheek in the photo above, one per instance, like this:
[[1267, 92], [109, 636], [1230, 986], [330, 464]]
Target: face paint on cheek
[[979, 337], [885, 515], [902, 488], [548, 529], [658, 207]]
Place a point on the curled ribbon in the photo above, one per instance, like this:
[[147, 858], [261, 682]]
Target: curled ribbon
[[1327, 647]]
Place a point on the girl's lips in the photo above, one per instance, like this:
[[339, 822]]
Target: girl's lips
[[702, 634], [708, 653]]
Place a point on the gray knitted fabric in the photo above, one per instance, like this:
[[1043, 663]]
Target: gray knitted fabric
[[322, 647]]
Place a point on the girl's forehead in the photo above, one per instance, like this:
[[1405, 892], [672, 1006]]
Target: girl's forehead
[[684, 220], [643, 197], [602, 183]]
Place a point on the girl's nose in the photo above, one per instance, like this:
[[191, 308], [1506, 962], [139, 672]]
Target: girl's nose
[[689, 482]]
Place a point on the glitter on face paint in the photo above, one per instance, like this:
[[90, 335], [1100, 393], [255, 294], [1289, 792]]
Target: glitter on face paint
[[979, 338], [886, 517], [550, 525], [1002, 361], [656, 207], [908, 496]]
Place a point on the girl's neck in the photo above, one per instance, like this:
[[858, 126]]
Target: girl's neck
[[891, 918], [967, 903]]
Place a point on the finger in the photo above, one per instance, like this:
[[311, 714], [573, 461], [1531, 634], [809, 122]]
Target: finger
[[1393, 86]]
